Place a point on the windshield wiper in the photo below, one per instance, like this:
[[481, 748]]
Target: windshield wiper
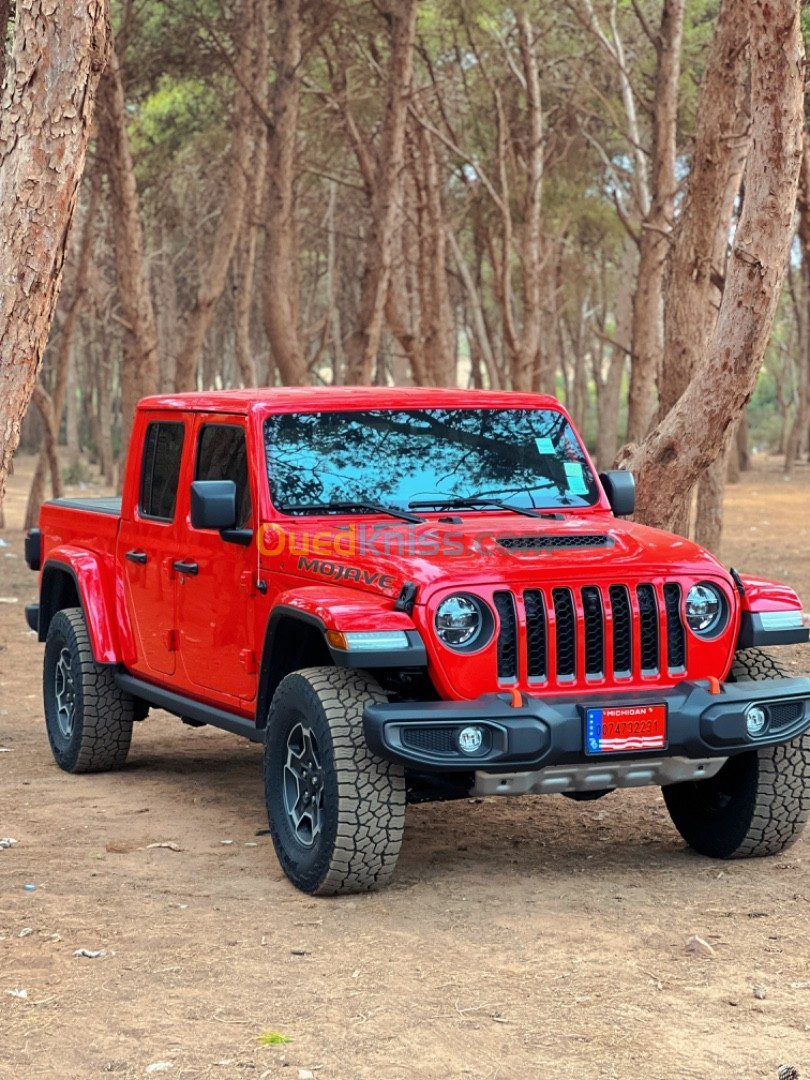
[[472, 501], [360, 504]]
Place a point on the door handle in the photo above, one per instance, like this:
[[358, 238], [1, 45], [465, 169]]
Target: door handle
[[185, 567], [136, 556]]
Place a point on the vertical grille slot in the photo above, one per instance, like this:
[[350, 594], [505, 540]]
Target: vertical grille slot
[[566, 623], [507, 638], [536, 636], [594, 631], [676, 638], [648, 613], [622, 630]]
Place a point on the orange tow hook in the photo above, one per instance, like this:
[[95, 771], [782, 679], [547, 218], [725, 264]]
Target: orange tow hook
[[714, 685], [517, 699]]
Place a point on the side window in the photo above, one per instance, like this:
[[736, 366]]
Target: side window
[[162, 451], [222, 455]]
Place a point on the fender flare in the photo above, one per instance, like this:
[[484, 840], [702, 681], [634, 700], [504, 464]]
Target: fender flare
[[93, 580], [318, 618]]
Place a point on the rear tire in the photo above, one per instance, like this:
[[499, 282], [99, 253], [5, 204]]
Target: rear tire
[[336, 811], [88, 719], [759, 802]]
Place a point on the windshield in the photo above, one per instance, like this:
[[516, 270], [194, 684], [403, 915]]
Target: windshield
[[526, 457]]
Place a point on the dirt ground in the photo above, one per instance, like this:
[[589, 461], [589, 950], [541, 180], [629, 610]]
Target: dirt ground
[[526, 938]]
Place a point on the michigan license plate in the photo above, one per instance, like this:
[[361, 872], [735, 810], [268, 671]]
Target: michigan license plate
[[622, 729]]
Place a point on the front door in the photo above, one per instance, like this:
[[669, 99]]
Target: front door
[[148, 544], [215, 602]]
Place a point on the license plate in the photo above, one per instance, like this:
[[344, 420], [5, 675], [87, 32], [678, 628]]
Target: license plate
[[618, 730]]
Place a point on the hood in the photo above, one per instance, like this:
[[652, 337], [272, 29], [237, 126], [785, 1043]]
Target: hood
[[381, 555]]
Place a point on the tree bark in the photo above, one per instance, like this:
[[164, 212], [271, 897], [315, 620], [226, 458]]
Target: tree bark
[[139, 368], [526, 357], [364, 342], [5, 16], [689, 438], [608, 387], [282, 284], [45, 119], [44, 403], [690, 311], [647, 335], [234, 194], [802, 418], [63, 358]]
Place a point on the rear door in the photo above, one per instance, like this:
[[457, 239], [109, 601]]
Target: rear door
[[149, 542], [215, 615]]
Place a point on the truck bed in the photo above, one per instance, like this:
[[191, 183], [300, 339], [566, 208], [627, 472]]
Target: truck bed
[[97, 504]]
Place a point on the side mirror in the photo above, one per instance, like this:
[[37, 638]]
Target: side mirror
[[213, 504], [620, 488]]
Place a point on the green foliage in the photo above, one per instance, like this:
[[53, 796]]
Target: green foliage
[[273, 1038], [170, 121]]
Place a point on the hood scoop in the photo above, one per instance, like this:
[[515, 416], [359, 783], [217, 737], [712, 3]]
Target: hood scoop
[[544, 541]]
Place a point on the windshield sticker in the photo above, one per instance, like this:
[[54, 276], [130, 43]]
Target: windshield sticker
[[545, 446], [575, 477]]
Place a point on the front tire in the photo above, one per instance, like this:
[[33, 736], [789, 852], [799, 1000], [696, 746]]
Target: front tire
[[759, 802], [336, 811], [88, 719]]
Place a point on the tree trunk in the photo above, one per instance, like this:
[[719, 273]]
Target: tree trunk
[[234, 193], [802, 418], [139, 367], [692, 434], [364, 343], [526, 356], [45, 119], [647, 335], [50, 435], [244, 270], [63, 358], [609, 388], [5, 16], [282, 284], [690, 313], [709, 509]]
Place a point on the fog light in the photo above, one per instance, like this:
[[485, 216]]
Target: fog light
[[470, 739], [756, 719]]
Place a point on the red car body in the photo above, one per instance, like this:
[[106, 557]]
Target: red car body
[[205, 635]]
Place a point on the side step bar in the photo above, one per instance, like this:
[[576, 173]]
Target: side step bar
[[187, 707]]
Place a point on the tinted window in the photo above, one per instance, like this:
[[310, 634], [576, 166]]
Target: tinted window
[[529, 457], [162, 451], [222, 455]]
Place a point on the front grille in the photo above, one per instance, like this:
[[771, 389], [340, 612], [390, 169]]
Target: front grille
[[536, 635], [437, 740], [508, 636], [622, 630], [592, 632], [550, 540], [566, 634], [648, 628], [676, 637]]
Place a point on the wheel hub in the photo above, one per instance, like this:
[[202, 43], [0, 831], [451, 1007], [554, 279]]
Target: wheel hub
[[303, 785], [65, 694]]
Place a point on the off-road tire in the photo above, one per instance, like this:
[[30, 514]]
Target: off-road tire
[[97, 735], [361, 812], [759, 802]]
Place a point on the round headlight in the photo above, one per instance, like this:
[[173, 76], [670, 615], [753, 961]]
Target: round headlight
[[458, 621], [704, 609]]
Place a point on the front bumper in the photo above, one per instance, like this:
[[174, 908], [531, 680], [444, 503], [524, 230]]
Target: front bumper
[[541, 732]]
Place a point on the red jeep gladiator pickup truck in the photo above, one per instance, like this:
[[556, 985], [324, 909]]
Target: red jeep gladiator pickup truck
[[413, 594]]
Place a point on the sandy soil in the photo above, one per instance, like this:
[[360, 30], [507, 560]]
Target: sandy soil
[[521, 938]]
